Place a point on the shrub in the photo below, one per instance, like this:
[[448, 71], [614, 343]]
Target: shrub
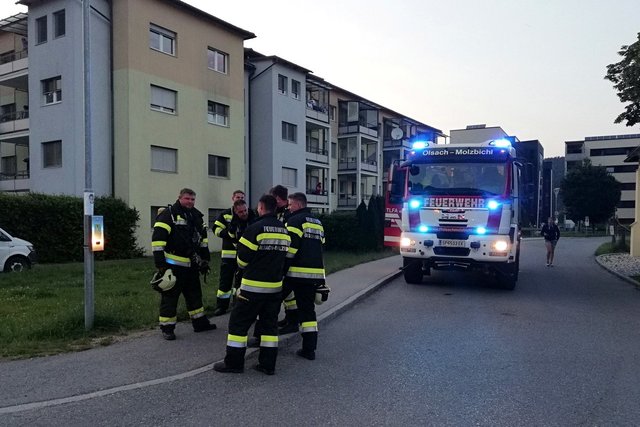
[[54, 224]]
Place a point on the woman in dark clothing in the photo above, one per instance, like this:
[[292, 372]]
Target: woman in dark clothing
[[551, 234]]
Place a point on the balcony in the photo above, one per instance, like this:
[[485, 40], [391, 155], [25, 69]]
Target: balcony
[[348, 201], [317, 197], [14, 121], [317, 154], [317, 111], [13, 65], [369, 166], [17, 182], [348, 164]]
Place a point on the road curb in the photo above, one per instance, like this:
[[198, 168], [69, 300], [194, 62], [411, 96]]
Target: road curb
[[615, 273]]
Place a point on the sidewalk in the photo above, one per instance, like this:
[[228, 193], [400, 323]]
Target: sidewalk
[[146, 359]]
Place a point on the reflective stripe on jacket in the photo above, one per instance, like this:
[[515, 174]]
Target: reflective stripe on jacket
[[305, 255], [262, 251]]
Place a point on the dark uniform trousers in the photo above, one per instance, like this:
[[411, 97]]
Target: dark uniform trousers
[[228, 269], [305, 293], [248, 306], [188, 284]]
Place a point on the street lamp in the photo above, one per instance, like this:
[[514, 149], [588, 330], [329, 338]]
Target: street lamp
[[555, 193]]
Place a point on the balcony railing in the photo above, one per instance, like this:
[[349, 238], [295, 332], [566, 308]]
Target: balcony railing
[[12, 56], [349, 163], [347, 201], [14, 115], [319, 197], [316, 150]]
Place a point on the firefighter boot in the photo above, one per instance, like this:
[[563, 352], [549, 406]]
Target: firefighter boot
[[292, 323], [222, 305], [201, 324], [168, 332]]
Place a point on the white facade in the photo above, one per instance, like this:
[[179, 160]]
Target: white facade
[[610, 152], [476, 133]]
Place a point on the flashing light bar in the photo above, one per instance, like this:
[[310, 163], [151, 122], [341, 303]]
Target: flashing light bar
[[419, 145], [501, 143]]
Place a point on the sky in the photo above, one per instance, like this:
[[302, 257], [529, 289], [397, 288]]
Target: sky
[[533, 67]]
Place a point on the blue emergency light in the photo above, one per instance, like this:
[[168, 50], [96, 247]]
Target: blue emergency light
[[481, 230], [419, 145], [493, 205], [414, 203], [501, 143], [423, 228]]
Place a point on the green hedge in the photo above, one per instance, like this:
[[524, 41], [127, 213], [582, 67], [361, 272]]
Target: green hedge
[[359, 230], [54, 224]]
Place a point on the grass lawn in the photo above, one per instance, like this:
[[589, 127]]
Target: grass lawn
[[42, 309]]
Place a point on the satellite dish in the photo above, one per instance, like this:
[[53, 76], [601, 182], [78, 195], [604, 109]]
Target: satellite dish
[[396, 133]]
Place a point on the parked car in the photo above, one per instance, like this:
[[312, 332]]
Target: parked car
[[15, 254]]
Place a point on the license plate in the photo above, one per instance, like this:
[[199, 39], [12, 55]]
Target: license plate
[[456, 216], [451, 243]]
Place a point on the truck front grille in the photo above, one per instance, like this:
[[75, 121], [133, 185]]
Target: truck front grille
[[440, 250]]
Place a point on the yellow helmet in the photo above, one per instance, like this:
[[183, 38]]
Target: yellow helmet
[[163, 282]]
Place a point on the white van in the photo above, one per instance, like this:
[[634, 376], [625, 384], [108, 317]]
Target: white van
[[15, 254]]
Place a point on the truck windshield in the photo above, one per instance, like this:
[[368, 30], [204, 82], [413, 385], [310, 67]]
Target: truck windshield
[[457, 178]]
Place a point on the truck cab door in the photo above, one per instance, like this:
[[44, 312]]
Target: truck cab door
[[394, 198]]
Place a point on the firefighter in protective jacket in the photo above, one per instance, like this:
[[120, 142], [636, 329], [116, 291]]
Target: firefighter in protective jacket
[[229, 227], [180, 243], [305, 272], [262, 251]]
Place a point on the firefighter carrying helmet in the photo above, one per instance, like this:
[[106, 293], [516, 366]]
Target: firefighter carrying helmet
[[322, 293], [163, 282]]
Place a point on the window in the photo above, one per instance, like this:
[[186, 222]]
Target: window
[[334, 150], [282, 84], [162, 40], [164, 159], [52, 154], [52, 90], [218, 166], [218, 114], [289, 177], [217, 60], [626, 204], [163, 99], [59, 25], [295, 89], [9, 165], [574, 148], [41, 30], [618, 151], [333, 186], [289, 132], [332, 113]]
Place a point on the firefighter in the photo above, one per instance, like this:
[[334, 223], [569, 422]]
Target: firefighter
[[180, 243], [290, 322], [227, 226], [305, 273], [262, 251]]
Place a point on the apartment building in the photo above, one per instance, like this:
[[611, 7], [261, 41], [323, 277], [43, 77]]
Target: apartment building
[[610, 151], [288, 128], [14, 104], [177, 101], [167, 103]]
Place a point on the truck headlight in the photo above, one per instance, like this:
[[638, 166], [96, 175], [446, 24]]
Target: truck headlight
[[405, 242], [501, 245]]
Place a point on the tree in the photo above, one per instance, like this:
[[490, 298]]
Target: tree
[[625, 76], [589, 190]]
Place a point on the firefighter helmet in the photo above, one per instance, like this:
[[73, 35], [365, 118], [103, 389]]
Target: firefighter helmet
[[322, 293], [163, 281]]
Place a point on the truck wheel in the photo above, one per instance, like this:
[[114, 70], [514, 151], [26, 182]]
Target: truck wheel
[[412, 269], [16, 263], [507, 279]]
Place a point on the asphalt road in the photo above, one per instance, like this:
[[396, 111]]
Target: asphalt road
[[562, 349]]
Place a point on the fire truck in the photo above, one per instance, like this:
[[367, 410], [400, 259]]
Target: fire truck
[[456, 207]]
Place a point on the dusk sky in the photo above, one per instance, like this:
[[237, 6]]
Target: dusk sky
[[533, 67]]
